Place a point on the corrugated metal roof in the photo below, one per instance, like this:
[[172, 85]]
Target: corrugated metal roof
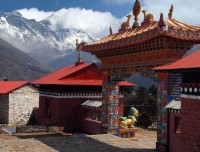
[[174, 105], [8, 86], [59, 74], [57, 77], [91, 103], [189, 62]]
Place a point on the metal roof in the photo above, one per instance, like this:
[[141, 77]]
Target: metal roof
[[65, 76], [90, 103], [189, 62], [8, 86], [174, 105]]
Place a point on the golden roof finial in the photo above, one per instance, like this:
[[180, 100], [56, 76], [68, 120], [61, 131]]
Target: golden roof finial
[[126, 24], [171, 11], [136, 12], [147, 17], [111, 32]]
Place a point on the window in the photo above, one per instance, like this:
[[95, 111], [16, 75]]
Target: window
[[47, 108], [93, 116], [177, 125]]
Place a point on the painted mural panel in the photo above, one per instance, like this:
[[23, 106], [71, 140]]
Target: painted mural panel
[[110, 101], [162, 101], [174, 88]]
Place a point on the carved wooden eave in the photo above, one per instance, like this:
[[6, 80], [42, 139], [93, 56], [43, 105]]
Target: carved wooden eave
[[152, 44], [173, 29]]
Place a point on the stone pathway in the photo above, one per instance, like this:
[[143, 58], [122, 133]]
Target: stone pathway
[[78, 143]]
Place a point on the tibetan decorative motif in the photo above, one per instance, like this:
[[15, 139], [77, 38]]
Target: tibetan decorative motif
[[162, 112], [136, 12], [126, 25], [147, 17], [171, 11], [174, 88], [110, 99]]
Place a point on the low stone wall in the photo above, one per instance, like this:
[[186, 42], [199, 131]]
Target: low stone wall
[[32, 129]]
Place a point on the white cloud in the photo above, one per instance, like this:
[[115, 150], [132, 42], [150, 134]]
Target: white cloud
[[94, 22], [97, 23], [184, 10], [116, 2], [34, 13]]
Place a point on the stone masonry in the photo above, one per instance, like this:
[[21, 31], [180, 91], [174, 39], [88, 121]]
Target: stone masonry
[[21, 104]]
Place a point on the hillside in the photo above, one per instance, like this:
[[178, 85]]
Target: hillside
[[16, 65]]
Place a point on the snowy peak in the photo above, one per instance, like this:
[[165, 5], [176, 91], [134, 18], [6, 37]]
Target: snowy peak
[[39, 39]]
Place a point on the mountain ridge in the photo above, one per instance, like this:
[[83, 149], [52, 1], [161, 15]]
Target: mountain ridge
[[39, 39], [16, 65]]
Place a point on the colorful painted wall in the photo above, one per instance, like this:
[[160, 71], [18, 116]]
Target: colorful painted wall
[[110, 107]]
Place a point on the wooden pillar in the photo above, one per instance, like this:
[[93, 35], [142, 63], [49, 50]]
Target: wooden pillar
[[162, 100], [110, 105]]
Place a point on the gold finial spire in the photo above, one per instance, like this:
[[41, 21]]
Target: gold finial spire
[[171, 11], [136, 12], [111, 32]]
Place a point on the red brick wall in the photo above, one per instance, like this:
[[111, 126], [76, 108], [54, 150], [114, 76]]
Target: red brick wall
[[175, 140], [67, 113], [64, 113], [190, 125]]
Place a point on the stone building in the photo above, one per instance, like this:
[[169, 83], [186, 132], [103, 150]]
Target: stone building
[[17, 101]]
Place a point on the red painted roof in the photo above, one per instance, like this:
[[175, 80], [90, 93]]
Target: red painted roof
[[189, 62], [61, 77], [8, 86], [90, 82]]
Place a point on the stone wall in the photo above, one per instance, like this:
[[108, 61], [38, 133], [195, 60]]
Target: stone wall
[[21, 104], [4, 109], [190, 124], [31, 129]]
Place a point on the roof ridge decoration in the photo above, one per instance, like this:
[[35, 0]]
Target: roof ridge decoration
[[171, 12], [79, 59], [136, 13], [161, 23], [147, 17], [126, 25]]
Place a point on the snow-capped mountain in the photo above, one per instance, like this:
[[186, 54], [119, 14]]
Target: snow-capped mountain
[[39, 39]]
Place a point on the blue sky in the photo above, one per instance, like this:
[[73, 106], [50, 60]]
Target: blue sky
[[118, 8]]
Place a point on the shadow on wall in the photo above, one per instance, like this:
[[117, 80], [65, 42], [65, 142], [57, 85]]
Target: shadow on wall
[[33, 120]]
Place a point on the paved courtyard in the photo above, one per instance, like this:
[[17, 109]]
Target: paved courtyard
[[144, 142]]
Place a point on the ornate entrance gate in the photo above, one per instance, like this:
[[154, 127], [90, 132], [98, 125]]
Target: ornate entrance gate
[[138, 49]]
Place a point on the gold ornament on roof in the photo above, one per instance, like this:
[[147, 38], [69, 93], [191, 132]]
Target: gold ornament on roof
[[147, 17], [126, 24], [136, 12], [171, 11]]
